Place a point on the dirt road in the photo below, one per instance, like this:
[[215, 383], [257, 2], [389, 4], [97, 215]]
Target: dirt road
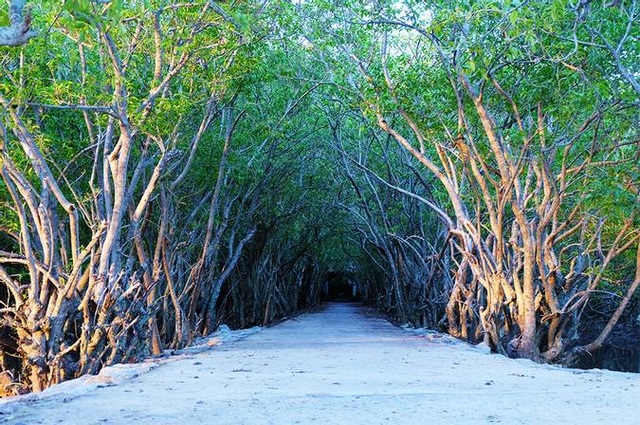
[[336, 366]]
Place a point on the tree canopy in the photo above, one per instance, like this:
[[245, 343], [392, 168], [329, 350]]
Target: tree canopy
[[469, 166]]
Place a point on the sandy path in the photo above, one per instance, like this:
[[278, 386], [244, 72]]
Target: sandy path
[[340, 367]]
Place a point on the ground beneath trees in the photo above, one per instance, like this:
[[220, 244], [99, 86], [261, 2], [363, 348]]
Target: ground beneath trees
[[335, 366]]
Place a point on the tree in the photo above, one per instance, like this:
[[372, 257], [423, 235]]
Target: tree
[[467, 92], [168, 166], [153, 161], [84, 241], [19, 30]]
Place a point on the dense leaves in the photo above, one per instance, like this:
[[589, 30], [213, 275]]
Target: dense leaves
[[468, 166]]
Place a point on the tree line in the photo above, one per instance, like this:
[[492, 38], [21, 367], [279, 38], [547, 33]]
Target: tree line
[[170, 166]]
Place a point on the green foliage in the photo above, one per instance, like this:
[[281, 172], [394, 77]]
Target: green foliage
[[306, 80]]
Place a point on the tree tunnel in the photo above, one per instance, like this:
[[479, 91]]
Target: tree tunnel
[[264, 175]]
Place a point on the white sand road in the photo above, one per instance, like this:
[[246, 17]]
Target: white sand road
[[335, 366]]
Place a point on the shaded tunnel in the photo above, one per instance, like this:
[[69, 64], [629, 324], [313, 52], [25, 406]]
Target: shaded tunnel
[[340, 286]]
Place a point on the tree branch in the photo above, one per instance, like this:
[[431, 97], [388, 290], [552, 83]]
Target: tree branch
[[18, 32]]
